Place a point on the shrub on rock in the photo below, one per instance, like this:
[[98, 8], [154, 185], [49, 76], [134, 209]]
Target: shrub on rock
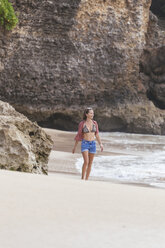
[[8, 18]]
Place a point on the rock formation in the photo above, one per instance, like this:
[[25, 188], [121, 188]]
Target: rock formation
[[24, 146], [66, 55], [153, 63]]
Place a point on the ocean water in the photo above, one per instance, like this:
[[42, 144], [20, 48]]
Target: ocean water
[[137, 159]]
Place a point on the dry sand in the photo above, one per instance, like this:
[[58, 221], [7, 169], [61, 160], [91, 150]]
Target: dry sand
[[63, 211], [60, 210], [61, 158]]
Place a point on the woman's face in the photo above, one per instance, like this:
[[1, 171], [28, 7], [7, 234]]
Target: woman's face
[[90, 114]]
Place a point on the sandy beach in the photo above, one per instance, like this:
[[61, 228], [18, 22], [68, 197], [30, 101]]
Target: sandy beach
[[60, 210], [61, 158], [63, 211]]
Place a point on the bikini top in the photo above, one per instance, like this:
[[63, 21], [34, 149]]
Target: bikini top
[[86, 130]]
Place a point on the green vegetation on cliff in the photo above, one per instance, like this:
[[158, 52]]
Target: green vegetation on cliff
[[8, 18]]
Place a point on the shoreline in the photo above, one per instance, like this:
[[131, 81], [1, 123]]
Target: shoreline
[[106, 180], [61, 157], [62, 161]]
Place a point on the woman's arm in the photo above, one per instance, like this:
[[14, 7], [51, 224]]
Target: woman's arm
[[78, 136], [75, 145], [99, 141]]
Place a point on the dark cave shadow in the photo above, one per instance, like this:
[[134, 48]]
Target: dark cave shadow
[[158, 8]]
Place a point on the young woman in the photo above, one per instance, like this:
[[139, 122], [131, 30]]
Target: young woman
[[87, 131]]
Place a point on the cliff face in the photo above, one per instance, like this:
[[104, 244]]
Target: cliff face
[[69, 54], [153, 62]]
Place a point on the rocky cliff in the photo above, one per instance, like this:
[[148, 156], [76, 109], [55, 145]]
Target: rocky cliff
[[68, 54]]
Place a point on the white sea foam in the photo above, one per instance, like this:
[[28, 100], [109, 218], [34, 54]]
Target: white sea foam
[[143, 162]]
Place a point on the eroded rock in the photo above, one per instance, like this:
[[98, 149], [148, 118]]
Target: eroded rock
[[153, 66], [24, 146], [153, 63]]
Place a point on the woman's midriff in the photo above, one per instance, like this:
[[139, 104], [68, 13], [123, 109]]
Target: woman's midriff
[[89, 136]]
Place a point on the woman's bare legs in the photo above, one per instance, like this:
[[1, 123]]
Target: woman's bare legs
[[91, 157], [86, 161]]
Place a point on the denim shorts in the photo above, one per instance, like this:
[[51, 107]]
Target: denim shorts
[[89, 146]]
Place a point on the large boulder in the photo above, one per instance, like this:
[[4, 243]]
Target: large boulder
[[24, 146]]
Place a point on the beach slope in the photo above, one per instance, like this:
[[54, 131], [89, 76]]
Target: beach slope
[[63, 211]]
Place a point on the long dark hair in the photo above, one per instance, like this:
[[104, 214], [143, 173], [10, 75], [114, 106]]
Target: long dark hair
[[86, 111]]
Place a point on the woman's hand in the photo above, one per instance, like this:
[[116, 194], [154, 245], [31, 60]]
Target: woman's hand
[[75, 145], [101, 147], [74, 149]]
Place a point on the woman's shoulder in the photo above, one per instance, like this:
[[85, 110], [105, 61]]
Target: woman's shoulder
[[81, 122], [95, 122]]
